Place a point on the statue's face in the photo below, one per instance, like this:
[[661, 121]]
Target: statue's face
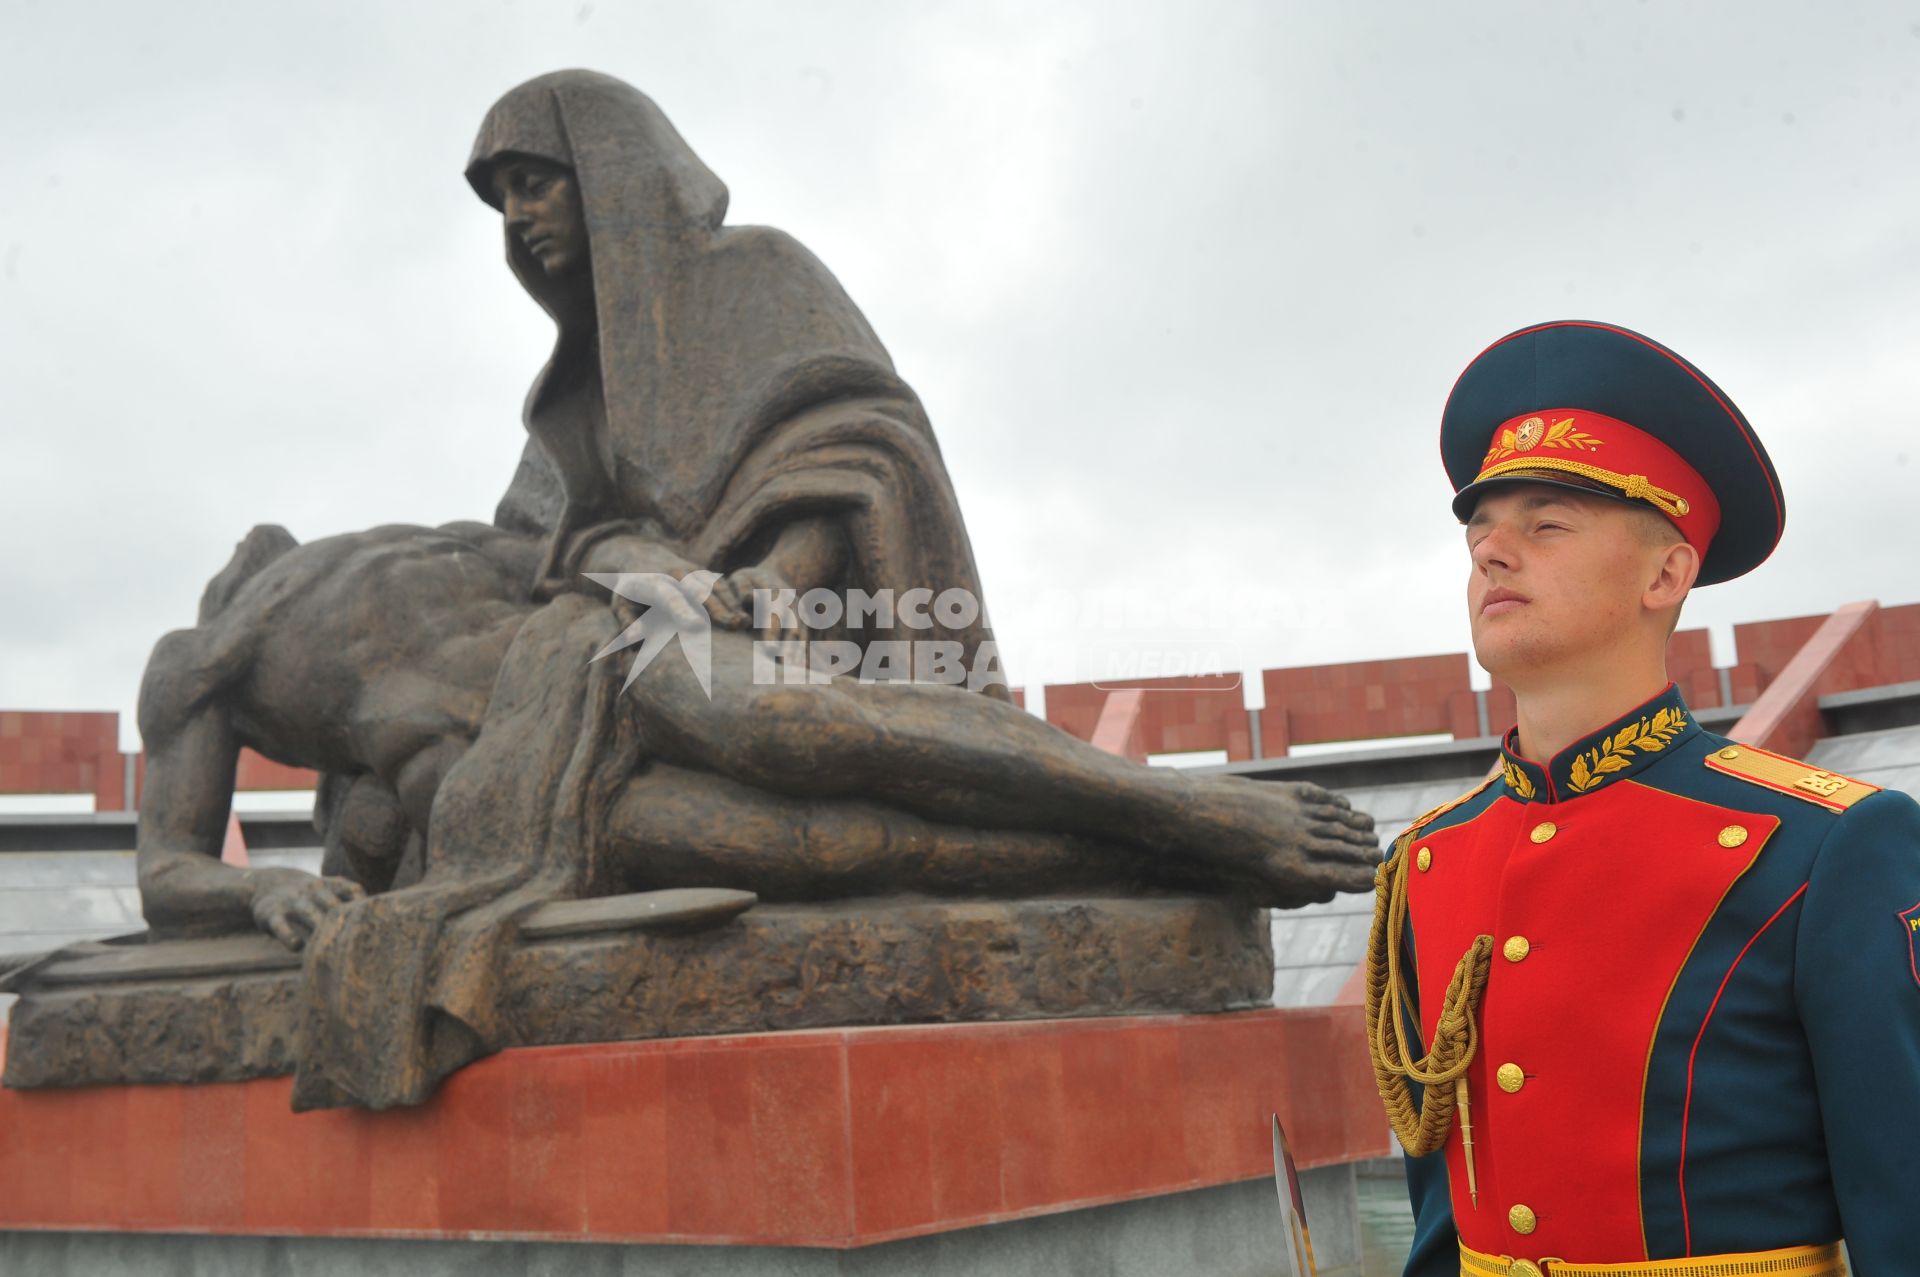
[[541, 203]]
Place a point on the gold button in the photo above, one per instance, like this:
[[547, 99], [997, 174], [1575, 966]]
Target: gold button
[[1510, 1077], [1521, 1219], [1733, 835], [1729, 753], [1516, 948], [1425, 859], [1543, 831], [1525, 1268]]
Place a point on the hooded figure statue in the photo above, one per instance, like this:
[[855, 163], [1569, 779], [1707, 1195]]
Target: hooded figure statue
[[716, 385], [720, 383]]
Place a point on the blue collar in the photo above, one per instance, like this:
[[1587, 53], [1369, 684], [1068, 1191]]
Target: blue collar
[[1625, 747]]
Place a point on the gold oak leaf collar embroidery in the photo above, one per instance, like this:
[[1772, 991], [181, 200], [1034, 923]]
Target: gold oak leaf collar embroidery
[[1619, 749], [1517, 779], [1591, 768]]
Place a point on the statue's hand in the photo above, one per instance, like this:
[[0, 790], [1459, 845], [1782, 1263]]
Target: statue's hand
[[683, 602], [635, 555], [736, 592], [289, 904], [641, 573]]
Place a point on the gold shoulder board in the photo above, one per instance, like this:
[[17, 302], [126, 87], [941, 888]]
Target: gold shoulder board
[[1790, 776], [1446, 807]]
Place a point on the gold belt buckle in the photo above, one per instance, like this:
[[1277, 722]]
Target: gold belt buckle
[[1534, 1268]]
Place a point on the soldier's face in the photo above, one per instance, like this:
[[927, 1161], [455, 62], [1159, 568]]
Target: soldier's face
[[541, 204], [1557, 582]]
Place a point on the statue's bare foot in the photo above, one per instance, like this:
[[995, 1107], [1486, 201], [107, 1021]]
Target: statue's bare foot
[[1289, 843]]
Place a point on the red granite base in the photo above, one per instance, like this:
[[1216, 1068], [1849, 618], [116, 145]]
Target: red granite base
[[829, 1138]]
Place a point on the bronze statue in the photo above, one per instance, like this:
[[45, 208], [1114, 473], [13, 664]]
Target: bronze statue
[[718, 416]]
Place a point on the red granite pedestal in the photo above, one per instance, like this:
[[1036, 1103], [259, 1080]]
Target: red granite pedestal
[[822, 1138]]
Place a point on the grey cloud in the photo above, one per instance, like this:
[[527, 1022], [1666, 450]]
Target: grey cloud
[[1183, 286]]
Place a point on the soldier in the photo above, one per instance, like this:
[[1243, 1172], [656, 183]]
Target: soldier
[[1647, 998]]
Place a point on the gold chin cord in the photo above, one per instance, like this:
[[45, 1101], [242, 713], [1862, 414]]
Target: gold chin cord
[[1635, 487], [1442, 1071]]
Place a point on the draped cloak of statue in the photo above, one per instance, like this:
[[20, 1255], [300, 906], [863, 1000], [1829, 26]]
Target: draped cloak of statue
[[726, 387]]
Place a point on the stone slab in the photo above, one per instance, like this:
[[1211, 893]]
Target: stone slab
[[828, 1138], [227, 1010]]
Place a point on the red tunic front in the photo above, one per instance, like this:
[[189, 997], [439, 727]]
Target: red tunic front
[[1586, 950]]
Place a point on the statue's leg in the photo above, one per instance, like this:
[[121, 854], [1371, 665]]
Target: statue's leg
[[671, 827], [961, 758]]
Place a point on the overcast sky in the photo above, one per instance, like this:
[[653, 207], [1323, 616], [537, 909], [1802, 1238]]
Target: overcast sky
[[1182, 285]]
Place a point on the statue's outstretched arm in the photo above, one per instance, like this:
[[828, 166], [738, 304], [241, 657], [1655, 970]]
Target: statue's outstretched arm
[[958, 758]]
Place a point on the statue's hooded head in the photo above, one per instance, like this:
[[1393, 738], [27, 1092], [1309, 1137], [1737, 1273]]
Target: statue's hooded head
[[640, 195], [702, 337]]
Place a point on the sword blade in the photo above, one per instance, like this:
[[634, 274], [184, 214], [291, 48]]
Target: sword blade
[[1293, 1211]]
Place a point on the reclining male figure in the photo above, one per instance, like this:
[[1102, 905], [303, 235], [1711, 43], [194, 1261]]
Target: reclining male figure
[[373, 657]]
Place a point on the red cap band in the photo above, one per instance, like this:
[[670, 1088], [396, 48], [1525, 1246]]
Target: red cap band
[[1610, 453]]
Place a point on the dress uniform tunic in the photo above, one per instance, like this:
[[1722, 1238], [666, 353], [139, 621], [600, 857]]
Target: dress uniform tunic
[[1650, 1006], [1699, 1030]]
